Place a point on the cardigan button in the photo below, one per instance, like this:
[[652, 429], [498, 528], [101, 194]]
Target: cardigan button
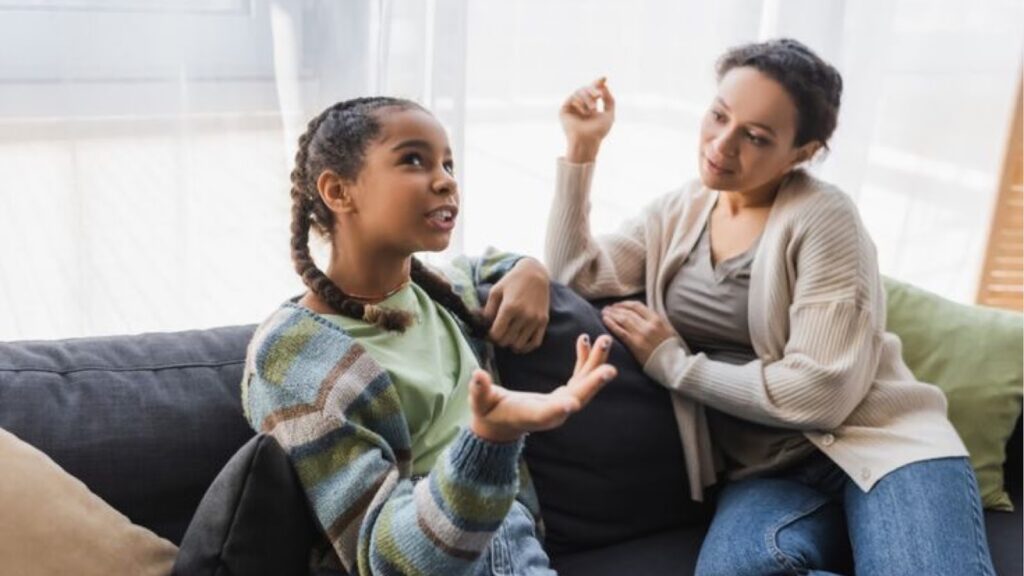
[[828, 439], [865, 474]]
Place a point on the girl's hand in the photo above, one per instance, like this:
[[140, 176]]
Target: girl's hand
[[640, 328], [518, 307], [502, 415], [585, 124]]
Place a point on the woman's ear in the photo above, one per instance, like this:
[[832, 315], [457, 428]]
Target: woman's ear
[[804, 154], [336, 192]]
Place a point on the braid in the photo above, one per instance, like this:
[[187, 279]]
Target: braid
[[442, 293], [309, 210]]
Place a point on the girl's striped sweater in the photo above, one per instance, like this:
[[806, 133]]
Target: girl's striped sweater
[[338, 415]]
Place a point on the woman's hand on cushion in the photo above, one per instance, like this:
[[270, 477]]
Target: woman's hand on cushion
[[585, 123], [503, 415], [518, 307], [638, 327]]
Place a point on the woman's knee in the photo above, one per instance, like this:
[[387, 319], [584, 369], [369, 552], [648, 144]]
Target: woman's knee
[[925, 517], [773, 527]]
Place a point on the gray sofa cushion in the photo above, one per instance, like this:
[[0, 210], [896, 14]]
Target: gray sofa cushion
[[145, 421]]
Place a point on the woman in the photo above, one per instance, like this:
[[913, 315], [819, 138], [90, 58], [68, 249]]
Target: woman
[[765, 317]]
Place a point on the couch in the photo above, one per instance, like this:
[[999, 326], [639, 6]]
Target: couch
[[148, 421]]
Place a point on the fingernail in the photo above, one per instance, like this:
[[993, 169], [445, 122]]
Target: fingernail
[[586, 340], [605, 344]]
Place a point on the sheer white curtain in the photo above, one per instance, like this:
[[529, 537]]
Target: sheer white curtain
[[929, 88], [145, 146], [145, 149]]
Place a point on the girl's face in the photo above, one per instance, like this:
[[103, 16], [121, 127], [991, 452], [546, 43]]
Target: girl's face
[[746, 137], [405, 199]]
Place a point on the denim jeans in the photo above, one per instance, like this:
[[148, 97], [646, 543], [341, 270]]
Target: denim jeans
[[515, 550], [923, 518]]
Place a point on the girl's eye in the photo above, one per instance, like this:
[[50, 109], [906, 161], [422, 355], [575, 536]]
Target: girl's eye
[[449, 167], [413, 160]]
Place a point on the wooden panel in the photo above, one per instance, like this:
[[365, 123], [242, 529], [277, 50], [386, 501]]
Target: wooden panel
[[1002, 278]]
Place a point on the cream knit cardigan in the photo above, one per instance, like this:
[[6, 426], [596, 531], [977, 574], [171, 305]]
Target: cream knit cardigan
[[817, 324]]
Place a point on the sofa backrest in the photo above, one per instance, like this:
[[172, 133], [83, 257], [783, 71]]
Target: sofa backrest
[[145, 421]]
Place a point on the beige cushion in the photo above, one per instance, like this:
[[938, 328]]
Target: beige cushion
[[50, 523]]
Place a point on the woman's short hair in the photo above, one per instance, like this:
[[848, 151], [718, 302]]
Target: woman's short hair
[[814, 85]]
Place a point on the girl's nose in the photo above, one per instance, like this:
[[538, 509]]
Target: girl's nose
[[445, 184]]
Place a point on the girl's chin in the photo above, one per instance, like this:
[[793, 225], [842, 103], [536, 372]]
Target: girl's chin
[[437, 244]]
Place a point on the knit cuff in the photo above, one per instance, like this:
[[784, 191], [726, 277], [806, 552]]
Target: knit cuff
[[480, 461], [587, 166], [574, 180], [667, 362]]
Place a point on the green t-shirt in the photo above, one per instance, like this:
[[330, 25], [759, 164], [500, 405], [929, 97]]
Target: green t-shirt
[[430, 365]]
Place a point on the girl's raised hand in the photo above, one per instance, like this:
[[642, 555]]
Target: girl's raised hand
[[587, 116], [503, 415]]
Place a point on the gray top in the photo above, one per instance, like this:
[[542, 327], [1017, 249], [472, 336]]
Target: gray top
[[707, 306]]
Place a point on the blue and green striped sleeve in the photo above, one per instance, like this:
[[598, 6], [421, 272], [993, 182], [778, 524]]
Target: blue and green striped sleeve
[[338, 416]]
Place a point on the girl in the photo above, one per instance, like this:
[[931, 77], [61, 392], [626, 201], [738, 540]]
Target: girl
[[370, 379], [765, 317]]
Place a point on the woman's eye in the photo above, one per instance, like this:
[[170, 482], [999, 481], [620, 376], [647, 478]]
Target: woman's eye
[[756, 140], [717, 116]]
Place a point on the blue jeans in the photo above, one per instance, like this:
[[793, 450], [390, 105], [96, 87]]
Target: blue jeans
[[923, 518], [515, 550]]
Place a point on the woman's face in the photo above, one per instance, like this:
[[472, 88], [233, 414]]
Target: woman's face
[[747, 135]]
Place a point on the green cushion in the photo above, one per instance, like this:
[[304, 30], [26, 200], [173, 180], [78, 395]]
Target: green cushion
[[975, 355]]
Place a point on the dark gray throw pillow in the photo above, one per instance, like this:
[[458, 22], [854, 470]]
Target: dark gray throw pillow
[[614, 471], [254, 518]]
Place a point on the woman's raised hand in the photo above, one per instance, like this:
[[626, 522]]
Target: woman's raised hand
[[585, 122], [503, 415]]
